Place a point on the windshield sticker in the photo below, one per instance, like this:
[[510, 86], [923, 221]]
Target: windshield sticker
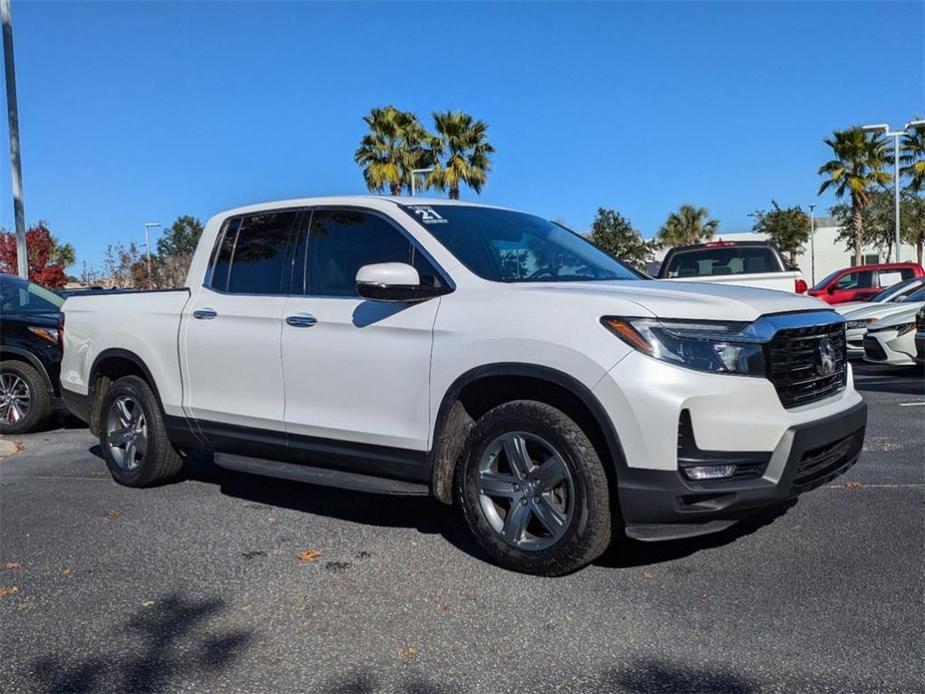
[[427, 214]]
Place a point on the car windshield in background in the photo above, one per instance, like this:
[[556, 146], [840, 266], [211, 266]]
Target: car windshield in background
[[730, 260], [19, 296], [895, 291], [507, 246]]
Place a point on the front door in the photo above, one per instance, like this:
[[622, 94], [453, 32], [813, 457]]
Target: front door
[[356, 372]]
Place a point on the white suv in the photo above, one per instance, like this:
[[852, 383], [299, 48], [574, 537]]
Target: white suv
[[488, 357]]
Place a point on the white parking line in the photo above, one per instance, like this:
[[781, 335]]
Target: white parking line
[[912, 404]]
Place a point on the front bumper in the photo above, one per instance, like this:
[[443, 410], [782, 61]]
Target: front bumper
[[889, 347], [661, 505]]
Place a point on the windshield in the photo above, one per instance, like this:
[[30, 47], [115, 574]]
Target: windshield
[[19, 296], [507, 246], [916, 296], [897, 290], [720, 260], [821, 284]]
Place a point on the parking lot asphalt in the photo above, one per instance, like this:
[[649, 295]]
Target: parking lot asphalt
[[205, 585]]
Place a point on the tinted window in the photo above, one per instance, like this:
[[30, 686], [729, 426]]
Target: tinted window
[[221, 263], [18, 295], [340, 242], [856, 280], [253, 260], [732, 260], [507, 246]]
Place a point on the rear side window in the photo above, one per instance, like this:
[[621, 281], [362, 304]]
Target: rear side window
[[736, 260], [890, 277], [252, 256], [340, 242]]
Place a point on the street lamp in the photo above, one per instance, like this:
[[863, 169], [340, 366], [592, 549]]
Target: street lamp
[[414, 173], [895, 134], [812, 242], [148, 227]]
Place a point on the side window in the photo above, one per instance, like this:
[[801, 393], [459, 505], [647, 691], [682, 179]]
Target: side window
[[865, 279], [340, 242], [252, 255], [890, 277], [849, 281], [906, 273]]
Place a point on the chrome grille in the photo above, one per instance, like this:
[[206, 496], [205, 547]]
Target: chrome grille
[[796, 365]]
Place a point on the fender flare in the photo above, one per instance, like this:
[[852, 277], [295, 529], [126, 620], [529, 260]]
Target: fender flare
[[536, 371]]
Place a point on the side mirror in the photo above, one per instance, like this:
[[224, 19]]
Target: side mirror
[[393, 282], [831, 288]]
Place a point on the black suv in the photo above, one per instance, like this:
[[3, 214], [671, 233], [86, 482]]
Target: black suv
[[30, 357]]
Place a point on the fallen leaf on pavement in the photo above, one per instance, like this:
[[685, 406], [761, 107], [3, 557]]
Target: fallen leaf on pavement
[[647, 575], [851, 484], [408, 651], [19, 445], [13, 565], [68, 572], [309, 555], [113, 513], [6, 591], [444, 607], [147, 603], [24, 606]]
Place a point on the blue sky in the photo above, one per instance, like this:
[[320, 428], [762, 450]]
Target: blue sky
[[136, 112]]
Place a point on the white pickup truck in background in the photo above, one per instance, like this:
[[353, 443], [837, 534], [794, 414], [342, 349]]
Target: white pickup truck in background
[[485, 356], [742, 263]]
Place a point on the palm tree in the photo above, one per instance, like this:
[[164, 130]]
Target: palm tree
[[913, 158], [687, 226], [461, 152], [393, 147], [858, 166]]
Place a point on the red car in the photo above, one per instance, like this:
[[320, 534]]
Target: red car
[[861, 282]]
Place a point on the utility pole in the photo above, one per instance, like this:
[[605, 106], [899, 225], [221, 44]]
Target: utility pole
[[812, 243], [6, 16], [148, 227], [414, 173]]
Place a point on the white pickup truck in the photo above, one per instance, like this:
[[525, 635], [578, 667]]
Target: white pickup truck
[[742, 263], [485, 356]]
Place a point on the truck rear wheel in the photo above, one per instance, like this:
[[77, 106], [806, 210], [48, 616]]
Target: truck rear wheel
[[533, 490], [133, 437]]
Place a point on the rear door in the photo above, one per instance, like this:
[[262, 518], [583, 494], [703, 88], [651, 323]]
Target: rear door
[[231, 338], [356, 371], [856, 285]]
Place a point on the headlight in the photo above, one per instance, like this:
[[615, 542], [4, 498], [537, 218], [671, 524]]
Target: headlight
[[712, 346], [49, 334], [854, 324], [906, 328]]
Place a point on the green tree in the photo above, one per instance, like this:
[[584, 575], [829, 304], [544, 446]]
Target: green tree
[[181, 237], [913, 158], [879, 221], [395, 145], [858, 167], [788, 228], [461, 153], [913, 222], [613, 234], [689, 225]]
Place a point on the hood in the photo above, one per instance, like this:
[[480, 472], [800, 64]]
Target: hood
[[852, 306], [907, 315], [883, 310], [688, 300]]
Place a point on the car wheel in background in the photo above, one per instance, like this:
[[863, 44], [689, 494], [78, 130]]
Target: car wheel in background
[[533, 490], [133, 437], [24, 402]]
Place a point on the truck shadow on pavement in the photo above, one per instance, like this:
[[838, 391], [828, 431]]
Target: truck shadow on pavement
[[428, 516], [156, 649]]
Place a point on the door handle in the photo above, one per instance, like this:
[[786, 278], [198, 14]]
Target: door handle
[[204, 313], [301, 320]]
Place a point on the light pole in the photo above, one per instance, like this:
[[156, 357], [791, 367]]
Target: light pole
[[414, 173], [22, 261], [895, 134], [148, 227], [812, 242]]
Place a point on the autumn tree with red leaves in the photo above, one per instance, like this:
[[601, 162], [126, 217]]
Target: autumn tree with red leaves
[[44, 253]]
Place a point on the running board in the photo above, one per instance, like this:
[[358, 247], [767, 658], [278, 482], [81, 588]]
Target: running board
[[322, 476]]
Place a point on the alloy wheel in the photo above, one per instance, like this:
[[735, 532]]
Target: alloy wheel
[[15, 398], [126, 432], [526, 492]]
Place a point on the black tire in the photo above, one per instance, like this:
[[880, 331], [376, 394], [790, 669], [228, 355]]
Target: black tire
[[39, 403], [159, 462], [585, 535]]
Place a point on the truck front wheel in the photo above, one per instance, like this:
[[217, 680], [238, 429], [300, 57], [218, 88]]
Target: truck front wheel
[[533, 490], [133, 437]]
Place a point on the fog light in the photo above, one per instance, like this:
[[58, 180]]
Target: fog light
[[709, 472]]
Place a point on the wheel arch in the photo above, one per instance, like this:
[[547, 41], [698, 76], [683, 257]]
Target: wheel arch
[[16, 354], [484, 387], [110, 365]]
